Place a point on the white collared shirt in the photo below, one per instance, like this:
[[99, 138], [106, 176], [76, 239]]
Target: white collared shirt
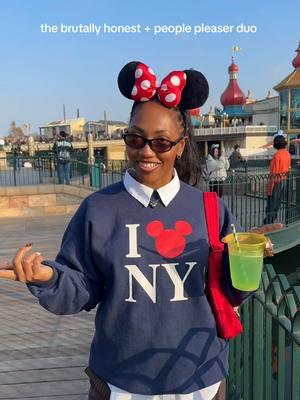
[[143, 194]]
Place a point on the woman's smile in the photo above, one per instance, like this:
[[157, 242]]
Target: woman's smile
[[147, 166]]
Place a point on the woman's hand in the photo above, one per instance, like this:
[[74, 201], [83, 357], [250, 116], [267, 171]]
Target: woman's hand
[[27, 269], [265, 229]]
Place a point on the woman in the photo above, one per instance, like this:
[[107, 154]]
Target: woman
[[279, 168], [216, 165], [139, 250]]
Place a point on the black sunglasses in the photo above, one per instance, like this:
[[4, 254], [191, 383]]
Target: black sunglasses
[[160, 145]]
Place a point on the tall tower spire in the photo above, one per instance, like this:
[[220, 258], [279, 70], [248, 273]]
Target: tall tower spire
[[233, 95], [296, 60]]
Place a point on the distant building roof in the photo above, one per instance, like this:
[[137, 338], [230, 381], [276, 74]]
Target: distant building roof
[[291, 81], [61, 122], [113, 122], [73, 120], [266, 100]]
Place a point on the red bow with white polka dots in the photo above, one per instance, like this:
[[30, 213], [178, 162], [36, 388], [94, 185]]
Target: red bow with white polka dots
[[145, 86]]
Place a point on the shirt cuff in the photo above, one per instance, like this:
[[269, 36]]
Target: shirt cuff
[[49, 284]]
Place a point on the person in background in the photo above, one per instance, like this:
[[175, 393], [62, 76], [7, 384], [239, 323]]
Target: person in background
[[17, 153], [235, 158], [279, 168], [217, 166], [63, 149]]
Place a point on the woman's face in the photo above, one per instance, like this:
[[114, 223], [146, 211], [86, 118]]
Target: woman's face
[[154, 121], [216, 152]]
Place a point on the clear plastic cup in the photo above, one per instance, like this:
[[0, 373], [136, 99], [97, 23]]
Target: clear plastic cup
[[246, 259]]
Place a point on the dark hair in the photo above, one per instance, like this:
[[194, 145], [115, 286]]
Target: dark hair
[[212, 150], [188, 167], [63, 134], [279, 142], [236, 146]]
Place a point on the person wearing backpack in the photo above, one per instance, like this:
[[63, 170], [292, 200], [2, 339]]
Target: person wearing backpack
[[63, 149], [236, 160]]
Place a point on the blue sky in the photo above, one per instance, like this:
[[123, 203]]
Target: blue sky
[[42, 71]]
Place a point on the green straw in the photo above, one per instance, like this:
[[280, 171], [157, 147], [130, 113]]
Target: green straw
[[235, 236]]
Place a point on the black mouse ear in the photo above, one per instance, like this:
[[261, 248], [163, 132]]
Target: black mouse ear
[[126, 78], [195, 92]]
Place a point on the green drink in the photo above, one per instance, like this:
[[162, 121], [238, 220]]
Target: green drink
[[240, 268], [246, 259]]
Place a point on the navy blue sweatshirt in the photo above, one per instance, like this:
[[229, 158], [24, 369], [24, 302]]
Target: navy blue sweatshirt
[[145, 268]]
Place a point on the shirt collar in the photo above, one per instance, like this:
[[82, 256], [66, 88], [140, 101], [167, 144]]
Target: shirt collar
[[143, 193]]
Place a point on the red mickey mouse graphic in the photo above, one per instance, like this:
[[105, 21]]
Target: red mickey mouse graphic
[[170, 243]]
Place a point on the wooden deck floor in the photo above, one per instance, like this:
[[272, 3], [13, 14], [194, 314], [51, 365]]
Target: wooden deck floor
[[42, 356]]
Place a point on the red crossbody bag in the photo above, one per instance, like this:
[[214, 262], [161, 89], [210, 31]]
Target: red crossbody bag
[[227, 322]]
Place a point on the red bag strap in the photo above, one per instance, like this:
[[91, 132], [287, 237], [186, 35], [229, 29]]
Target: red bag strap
[[227, 323], [211, 206]]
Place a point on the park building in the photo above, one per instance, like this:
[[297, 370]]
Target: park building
[[264, 111], [289, 102], [242, 120], [74, 127], [79, 128], [115, 128], [104, 129], [249, 122]]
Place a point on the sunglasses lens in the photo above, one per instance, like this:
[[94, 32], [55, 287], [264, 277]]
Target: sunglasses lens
[[161, 145], [138, 142], [134, 141]]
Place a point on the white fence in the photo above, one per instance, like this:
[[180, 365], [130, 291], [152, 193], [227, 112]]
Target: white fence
[[237, 130]]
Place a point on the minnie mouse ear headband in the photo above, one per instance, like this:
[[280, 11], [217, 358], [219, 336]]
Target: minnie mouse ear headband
[[186, 89], [215, 146]]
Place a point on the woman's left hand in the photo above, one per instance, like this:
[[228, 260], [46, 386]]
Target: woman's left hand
[[265, 229]]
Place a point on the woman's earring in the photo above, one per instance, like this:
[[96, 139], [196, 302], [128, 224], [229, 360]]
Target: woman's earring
[[178, 156]]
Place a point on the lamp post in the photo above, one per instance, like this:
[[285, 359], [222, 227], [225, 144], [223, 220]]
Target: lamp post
[[224, 116], [201, 120]]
